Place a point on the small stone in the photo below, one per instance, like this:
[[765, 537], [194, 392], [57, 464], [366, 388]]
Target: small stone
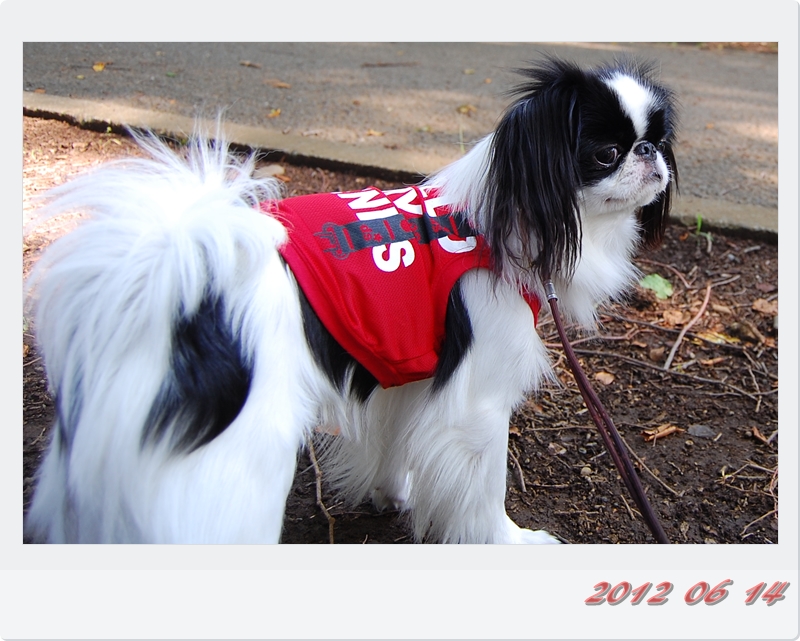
[[702, 431]]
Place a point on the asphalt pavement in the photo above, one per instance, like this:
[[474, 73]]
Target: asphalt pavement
[[405, 109]]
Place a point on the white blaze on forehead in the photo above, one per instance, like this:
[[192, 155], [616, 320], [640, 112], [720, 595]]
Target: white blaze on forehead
[[635, 100]]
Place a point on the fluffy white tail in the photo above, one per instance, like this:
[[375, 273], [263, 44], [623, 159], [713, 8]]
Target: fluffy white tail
[[170, 247]]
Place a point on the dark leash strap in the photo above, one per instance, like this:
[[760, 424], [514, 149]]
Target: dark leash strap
[[605, 426]]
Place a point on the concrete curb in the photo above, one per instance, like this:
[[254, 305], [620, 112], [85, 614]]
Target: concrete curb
[[402, 165], [91, 114]]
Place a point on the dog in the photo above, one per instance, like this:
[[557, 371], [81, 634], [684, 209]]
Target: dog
[[197, 328]]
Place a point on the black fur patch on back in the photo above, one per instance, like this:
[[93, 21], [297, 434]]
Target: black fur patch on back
[[208, 382], [67, 416], [458, 338], [332, 358]]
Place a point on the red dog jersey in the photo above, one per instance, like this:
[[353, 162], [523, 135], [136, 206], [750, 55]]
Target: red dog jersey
[[377, 267]]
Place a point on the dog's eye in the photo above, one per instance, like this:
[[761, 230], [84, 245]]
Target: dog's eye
[[607, 156], [662, 146]]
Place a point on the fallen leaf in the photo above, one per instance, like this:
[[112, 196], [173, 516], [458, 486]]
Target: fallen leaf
[[513, 429], [661, 431], [487, 81], [26, 349], [673, 317], [718, 338], [711, 362], [757, 433], [555, 449], [247, 63], [274, 113], [721, 309], [606, 378], [766, 288], [40, 90], [657, 354], [98, 66], [467, 110], [658, 284], [469, 72], [278, 84], [372, 132], [768, 308]]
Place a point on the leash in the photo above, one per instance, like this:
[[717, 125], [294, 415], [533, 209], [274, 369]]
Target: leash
[[605, 426]]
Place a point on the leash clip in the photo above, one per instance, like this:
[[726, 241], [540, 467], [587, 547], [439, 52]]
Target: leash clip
[[550, 290]]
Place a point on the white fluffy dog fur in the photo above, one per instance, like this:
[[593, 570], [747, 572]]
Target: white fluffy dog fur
[[165, 235]]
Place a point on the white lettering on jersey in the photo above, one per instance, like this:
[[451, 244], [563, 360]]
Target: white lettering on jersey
[[391, 256], [396, 253], [448, 244]]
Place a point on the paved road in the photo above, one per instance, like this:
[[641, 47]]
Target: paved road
[[411, 107]]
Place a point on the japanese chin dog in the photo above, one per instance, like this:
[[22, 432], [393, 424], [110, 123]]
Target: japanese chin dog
[[197, 329]]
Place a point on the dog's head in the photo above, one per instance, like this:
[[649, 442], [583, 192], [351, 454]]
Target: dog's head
[[577, 144]]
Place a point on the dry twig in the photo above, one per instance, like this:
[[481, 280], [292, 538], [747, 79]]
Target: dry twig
[[672, 372], [318, 475], [686, 328], [519, 470], [648, 470], [760, 518]]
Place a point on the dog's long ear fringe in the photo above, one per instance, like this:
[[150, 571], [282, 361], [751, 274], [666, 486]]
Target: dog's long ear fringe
[[531, 198], [654, 218]]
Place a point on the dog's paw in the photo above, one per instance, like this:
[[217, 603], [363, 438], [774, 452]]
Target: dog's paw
[[516, 534], [537, 537], [394, 494], [386, 502]]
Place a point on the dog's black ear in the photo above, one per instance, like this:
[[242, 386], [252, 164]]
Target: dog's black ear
[[653, 218], [531, 203]]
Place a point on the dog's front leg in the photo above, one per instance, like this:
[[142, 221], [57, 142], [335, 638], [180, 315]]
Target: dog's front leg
[[459, 482], [458, 445]]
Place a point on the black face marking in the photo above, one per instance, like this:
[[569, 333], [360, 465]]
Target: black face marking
[[604, 125], [208, 382], [332, 358], [457, 340]]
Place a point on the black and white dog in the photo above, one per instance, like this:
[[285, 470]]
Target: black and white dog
[[197, 329]]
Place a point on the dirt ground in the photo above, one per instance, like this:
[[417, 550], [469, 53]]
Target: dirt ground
[[711, 473]]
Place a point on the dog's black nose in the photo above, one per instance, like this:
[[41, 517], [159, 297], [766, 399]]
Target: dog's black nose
[[646, 150]]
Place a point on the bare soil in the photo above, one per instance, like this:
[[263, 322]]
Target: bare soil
[[711, 475]]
